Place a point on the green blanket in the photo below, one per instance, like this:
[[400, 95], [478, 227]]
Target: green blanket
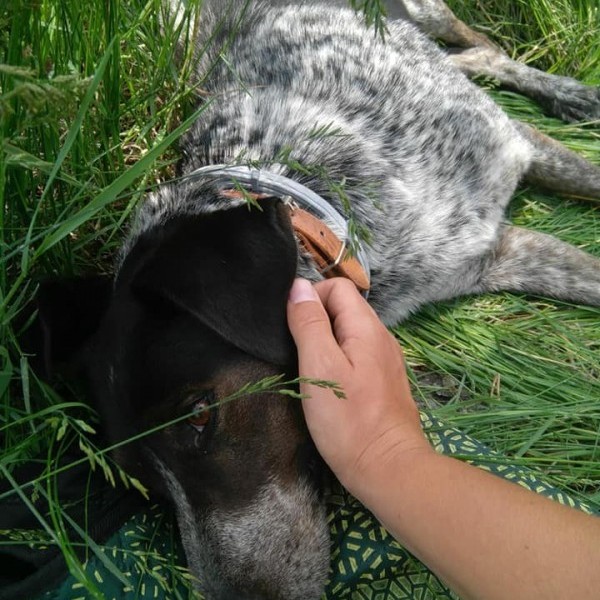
[[144, 558]]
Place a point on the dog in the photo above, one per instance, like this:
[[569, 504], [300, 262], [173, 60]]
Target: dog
[[325, 150]]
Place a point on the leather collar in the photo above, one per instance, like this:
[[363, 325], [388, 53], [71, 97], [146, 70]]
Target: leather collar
[[321, 231]]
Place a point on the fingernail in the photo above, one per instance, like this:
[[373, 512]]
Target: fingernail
[[302, 291]]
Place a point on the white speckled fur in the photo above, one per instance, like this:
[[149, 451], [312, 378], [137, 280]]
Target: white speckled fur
[[264, 538]]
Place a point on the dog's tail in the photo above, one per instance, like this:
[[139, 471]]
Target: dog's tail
[[557, 168], [539, 264]]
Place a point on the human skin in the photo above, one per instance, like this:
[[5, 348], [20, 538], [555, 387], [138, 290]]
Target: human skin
[[484, 536]]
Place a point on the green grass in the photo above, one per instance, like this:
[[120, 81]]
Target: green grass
[[91, 105]]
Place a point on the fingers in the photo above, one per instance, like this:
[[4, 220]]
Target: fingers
[[311, 329], [353, 319], [329, 308], [332, 325]]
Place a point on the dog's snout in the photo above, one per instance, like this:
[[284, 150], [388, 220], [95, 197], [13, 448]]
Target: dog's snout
[[277, 548]]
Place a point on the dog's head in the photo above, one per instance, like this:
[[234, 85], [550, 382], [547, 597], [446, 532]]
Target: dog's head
[[197, 312]]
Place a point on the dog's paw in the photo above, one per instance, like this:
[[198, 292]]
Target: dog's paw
[[573, 101], [562, 97], [582, 105]]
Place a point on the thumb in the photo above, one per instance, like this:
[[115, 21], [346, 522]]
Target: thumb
[[310, 327]]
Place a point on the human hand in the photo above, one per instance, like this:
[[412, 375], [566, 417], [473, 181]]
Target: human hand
[[341, 339], [486, 537]]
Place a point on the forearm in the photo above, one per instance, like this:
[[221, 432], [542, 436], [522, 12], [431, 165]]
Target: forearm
[[486, 537]]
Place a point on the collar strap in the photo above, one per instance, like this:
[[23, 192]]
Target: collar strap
[[320, 229], [328, 251]]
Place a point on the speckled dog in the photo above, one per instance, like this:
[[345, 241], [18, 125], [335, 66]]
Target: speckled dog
[[389, 134]]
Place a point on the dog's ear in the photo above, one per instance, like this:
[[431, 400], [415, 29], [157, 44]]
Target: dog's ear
[[232, 270], [68, 312]]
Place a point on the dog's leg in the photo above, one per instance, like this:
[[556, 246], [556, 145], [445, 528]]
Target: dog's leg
[[559, 169], [535, 263], [437, 20], [563, 97]]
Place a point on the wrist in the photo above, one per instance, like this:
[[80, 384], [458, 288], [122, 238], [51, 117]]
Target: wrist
[[393, 456]]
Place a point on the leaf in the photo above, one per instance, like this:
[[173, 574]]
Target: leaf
[[6, 371], [18, 157], [137, 484], [74, 131], [85, 426], [111, 193], [62, 429], [91, 456]]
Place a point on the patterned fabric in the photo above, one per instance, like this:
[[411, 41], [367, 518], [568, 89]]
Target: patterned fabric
[[143, 559], [367, 564]]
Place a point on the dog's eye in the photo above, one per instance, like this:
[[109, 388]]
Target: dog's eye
[[201, 417]]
